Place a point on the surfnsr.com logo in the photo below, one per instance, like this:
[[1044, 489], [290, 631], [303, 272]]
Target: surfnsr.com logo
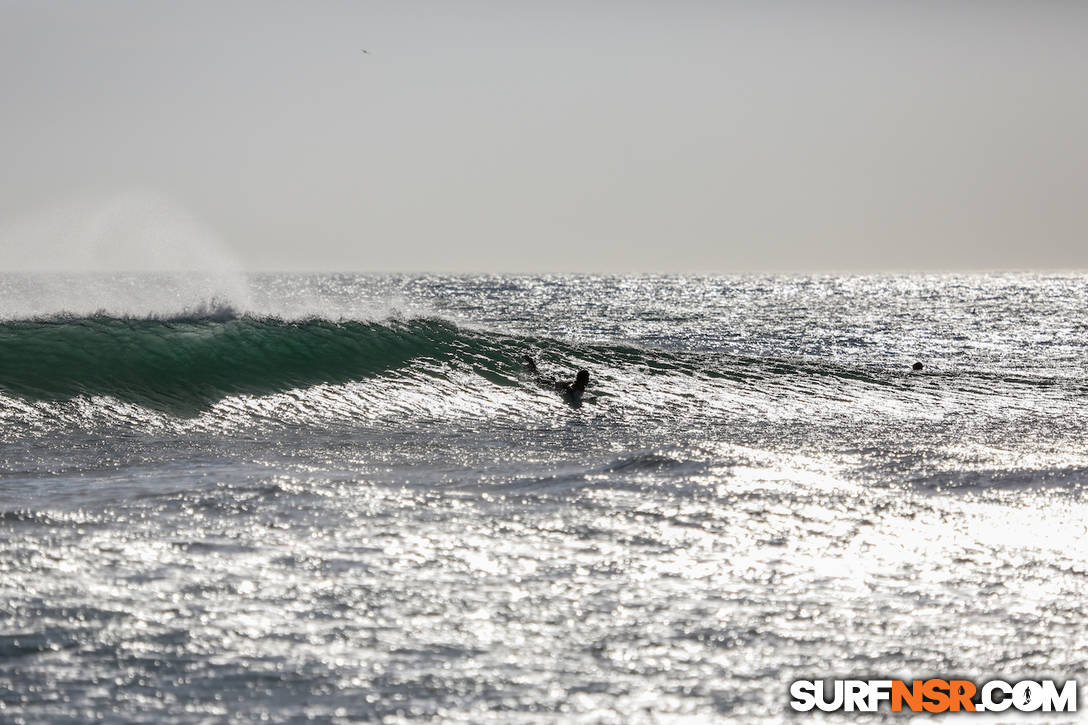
[[934, 695]]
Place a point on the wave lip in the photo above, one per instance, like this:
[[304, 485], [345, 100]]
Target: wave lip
[[184, 364]]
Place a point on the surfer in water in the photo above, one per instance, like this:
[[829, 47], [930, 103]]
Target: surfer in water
[[572, 391]]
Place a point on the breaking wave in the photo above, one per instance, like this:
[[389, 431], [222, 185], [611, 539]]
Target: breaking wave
[[184, 365], [187, 363]]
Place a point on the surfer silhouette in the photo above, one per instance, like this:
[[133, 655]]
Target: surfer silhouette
[[572, 391]]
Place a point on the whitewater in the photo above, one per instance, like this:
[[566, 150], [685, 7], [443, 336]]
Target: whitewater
[[340, 498]]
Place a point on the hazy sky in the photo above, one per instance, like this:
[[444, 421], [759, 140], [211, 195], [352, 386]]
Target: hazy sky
[[544, 136]]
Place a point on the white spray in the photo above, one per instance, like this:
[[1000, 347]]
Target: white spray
[[132, 253]]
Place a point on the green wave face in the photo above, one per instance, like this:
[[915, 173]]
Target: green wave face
[[184, 366]]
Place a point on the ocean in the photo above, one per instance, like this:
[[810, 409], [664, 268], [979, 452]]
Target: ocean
[[343, 498]]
